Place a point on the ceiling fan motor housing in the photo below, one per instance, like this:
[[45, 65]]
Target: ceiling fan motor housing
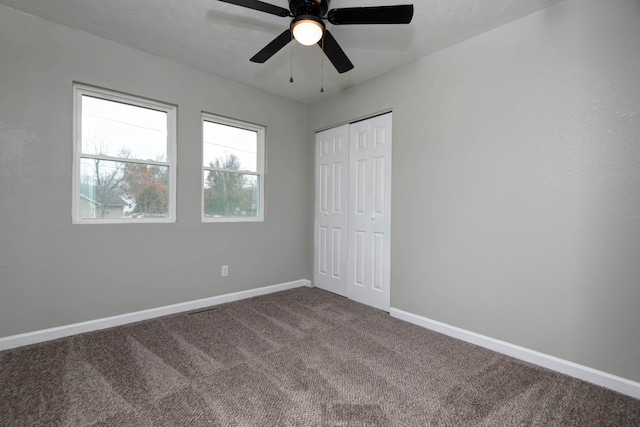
[[316, 8]]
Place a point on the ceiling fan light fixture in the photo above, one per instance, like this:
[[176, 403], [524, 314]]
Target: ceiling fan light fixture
[[307, 30]]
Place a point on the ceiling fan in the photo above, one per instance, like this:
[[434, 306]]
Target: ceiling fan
[[308, 28]]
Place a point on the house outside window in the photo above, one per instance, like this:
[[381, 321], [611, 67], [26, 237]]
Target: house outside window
[[233, 170], [124, 158]]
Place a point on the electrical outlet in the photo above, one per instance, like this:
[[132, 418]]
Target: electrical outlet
[[224, 272]]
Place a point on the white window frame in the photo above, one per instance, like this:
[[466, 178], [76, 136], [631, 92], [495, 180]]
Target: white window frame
[[80, 90], [260, 167]]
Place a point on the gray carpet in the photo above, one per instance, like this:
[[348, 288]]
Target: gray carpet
[[302, 357]]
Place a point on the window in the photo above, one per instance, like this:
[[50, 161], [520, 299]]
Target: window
[[124, 165], [233, 170]]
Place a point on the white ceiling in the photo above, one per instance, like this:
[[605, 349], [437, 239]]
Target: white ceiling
[[220, 38]]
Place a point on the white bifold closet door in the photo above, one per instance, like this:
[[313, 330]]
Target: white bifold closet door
[[331, 210], [353, 207]]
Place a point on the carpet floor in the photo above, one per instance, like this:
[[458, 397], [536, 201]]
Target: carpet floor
[[302, 357]]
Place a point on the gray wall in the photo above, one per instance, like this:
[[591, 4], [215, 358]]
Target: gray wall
[[516, 182], [54, 273]]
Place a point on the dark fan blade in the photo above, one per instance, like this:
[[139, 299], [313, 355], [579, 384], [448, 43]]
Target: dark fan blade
[[269, 50], [261, 6], [335, 53], [371, 15]]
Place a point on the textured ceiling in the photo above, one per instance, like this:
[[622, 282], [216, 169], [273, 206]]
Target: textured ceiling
[[220, 38]]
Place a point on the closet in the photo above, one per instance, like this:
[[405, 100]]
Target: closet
[[352, 225]]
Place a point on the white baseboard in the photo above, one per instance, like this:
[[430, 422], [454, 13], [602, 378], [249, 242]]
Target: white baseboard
[[604, 379], [14, 341]]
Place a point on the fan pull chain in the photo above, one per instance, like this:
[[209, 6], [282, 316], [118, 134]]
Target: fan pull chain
[[291, 42], [322, 67]]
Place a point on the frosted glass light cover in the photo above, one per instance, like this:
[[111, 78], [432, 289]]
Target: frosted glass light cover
[[307, 32]]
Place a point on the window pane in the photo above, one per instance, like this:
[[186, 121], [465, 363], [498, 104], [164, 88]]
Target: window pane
[[228, 194], [121, 130], [123, 190], [229, 147]]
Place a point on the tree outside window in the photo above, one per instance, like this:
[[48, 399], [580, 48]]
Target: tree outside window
[[233, 164], [124, 158]]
